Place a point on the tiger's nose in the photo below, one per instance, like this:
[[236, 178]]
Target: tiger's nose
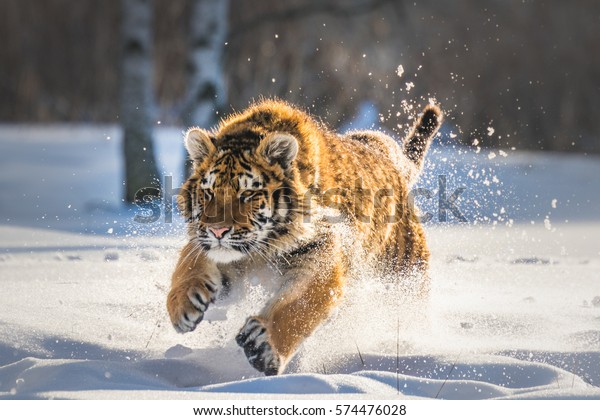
[[219, 232]]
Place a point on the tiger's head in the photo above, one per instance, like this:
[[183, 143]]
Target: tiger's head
[[240, 198]]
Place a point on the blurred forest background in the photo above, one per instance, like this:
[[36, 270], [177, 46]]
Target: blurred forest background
[[530, 69]]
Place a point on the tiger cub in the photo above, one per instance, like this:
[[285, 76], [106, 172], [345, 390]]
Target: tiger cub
[[260, 196]]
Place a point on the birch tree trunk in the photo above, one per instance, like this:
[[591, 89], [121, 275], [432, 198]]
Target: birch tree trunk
[[206, 88], [137, 104]]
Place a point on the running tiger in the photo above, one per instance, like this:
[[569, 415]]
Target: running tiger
[[263, 189]]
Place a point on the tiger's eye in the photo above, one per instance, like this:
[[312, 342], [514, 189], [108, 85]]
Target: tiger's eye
[[246, 195]]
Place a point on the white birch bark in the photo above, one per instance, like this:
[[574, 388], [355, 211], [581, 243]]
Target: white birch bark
[[206, 90], [136, 96]]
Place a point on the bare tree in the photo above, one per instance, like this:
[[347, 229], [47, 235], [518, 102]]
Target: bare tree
[[206, 88], [524, 68], [141, 171]]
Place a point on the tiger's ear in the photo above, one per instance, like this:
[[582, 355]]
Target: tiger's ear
[[280, 148], [198, 144]]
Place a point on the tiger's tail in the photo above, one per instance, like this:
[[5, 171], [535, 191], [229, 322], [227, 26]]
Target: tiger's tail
[[417, 142]]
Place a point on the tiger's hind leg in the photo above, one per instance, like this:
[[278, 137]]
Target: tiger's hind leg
[[406, 258]]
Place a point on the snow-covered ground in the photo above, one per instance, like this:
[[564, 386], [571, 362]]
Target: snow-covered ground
[[514, 309]]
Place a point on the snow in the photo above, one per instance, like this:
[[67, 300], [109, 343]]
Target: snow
[[514, 309], [400, 70]]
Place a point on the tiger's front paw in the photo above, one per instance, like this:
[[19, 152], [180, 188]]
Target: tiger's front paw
[[254, 339], [187, 305]]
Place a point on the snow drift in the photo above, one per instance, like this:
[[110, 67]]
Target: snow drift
[[514, 310]]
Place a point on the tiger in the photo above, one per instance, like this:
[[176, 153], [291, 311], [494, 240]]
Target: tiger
[[269, 188]]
